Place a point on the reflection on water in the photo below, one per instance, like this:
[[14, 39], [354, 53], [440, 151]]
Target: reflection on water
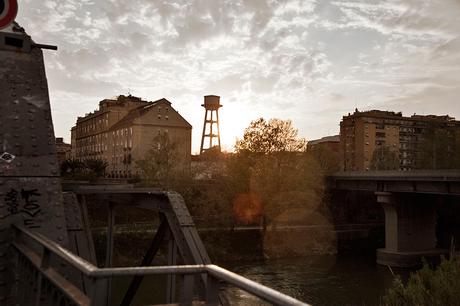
[[317, 280]]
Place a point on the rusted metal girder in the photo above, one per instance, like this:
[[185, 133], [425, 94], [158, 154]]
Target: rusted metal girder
[[30, 188]]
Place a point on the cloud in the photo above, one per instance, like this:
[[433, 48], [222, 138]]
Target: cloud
[[305, 60]]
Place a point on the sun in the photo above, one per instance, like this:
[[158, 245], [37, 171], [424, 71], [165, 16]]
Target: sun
[[233, 121]]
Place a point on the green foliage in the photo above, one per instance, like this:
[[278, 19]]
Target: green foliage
[[157, 168], [427, 287], [71, 167], [439, 149], [271, 136], [87, 169], [327, 159], [96, 166], [384, 158], [271, 162]]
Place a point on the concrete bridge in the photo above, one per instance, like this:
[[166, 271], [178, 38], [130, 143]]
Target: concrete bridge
[[410, 201]]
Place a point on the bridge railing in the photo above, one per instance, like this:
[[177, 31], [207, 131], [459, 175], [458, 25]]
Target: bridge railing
[[40, 281]]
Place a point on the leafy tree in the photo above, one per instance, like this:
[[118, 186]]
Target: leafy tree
[[158, 165], [271, 136], [88, 169], [71, 167], [439, 149], [327, 159], [96, 166], [384, 158], [271, 163]]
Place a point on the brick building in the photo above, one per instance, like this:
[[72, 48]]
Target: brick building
[[63, 150], [122, 131], [330, 142], [361, 133]]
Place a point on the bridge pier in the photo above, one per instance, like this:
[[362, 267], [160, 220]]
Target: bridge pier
[[410, 229]]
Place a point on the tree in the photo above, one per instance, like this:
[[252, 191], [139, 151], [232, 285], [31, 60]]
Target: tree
[[271, 164], [439, 148], [384, 158], [271, 136], [96, 166], [88, 169], [158, 165], [71, 167], [328, 159]]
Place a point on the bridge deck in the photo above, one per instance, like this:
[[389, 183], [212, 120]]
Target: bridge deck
[[443, 182]]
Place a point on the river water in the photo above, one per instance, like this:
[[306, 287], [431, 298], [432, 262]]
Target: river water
[[317, 280]]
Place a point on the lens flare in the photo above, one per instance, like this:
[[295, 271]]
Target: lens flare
[[247, 208]]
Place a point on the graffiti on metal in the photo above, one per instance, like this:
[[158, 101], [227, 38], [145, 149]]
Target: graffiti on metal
[[24, 202]]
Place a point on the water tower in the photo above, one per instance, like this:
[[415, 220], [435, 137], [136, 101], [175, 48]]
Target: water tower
[[211, 130]]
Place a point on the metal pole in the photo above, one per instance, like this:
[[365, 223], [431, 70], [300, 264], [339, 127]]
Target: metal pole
[[204, 130], [109, 250], [171, 280], [210, 133], [218, 130], [212, 291], [187, 289]]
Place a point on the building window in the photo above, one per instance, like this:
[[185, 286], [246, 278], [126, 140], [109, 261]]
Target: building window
[[380, 134], [159, 117]]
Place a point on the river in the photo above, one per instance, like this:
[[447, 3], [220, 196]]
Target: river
[[317, 280]]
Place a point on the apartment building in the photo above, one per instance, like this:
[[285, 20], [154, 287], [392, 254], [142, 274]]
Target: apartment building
[[123, 129], [361, 133], [63, 150]]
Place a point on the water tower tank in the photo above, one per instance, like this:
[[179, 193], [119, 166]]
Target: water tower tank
[[212, 102]]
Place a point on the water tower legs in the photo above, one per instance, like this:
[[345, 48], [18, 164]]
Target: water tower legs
[[211, 128]]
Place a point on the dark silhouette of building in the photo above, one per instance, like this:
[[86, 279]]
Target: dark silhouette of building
[[63, 150]]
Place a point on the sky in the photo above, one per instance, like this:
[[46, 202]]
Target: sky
[[308, 61]]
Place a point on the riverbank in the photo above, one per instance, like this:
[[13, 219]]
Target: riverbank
[[251, 243]]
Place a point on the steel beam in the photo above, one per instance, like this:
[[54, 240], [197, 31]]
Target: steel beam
[[146, 261]]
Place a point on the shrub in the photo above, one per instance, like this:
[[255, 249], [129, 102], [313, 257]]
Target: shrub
[[440, 286]]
